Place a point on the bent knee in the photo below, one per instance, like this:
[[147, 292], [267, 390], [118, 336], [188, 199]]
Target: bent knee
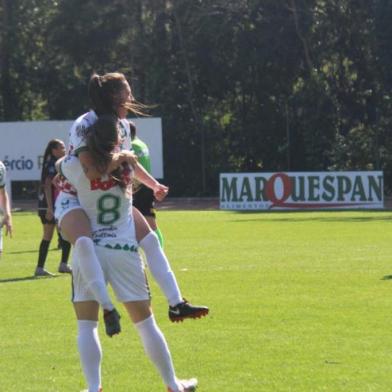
[[75, 224]]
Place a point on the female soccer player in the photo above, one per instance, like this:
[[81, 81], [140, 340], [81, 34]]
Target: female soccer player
[[5, 208], [106, 201], [46, 199], [111, 94]]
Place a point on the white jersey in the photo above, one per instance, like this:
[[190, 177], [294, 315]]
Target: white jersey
[[2, 175], [67, 199], [77, 133], [106, 205]]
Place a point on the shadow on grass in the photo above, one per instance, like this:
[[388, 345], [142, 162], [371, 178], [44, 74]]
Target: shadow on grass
[[18, 252], [13, 280], [387, 277], [311, 217]]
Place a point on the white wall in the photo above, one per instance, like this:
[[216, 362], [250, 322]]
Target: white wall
[[22, 145]]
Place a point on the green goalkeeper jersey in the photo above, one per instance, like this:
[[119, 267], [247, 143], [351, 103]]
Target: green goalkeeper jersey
[[141, 150]]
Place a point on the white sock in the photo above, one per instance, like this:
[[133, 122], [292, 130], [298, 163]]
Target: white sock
[[90, 353], [157, 350], [160, 268], [91, 271]]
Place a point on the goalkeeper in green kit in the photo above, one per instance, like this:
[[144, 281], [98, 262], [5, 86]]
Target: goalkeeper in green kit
[[143, 197], [144, 201]]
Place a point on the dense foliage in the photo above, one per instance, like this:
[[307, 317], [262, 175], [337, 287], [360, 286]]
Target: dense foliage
[[241, 85]]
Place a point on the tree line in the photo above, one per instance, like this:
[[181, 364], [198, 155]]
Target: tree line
[[241, 85]]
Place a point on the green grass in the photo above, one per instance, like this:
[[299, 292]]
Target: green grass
[[299, 302]]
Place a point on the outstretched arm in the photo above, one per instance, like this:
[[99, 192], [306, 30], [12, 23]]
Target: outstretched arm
[[142, 175]]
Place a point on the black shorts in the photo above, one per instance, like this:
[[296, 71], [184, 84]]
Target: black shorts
[[41, 214], [144, 201]]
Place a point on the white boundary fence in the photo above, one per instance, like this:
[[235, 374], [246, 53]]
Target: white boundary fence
[[22, 145]]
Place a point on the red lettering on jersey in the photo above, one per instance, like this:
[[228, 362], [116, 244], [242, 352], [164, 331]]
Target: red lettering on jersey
[[63, 185], [102, 185]]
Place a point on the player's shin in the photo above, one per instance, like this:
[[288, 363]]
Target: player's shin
[[90, 353], [157, 350], [160, 268]]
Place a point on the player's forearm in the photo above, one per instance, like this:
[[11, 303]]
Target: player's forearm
[[143, 176], [48, 193]]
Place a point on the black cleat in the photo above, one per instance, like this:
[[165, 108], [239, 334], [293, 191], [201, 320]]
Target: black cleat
[[185, 310], [112, 322]]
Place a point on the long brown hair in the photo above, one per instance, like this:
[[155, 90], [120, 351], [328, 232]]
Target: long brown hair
[[48, 154], [54, 143], [102, 139], [105, 94]]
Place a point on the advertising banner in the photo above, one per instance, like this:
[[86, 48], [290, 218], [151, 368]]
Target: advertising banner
[[301, 190], [22, 145]]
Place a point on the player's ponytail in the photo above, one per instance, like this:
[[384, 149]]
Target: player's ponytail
[[101, 96], [101, 141], [105, 94]]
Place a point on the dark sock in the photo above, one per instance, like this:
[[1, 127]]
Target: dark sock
[[43, 252], [65, 249]]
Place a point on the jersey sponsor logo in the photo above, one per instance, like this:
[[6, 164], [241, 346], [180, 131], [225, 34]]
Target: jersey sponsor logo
[[102, 185], [65, 186], [126, 247], [105, 232], [107, 237], [81, 131], [65, 203], [70, 149]]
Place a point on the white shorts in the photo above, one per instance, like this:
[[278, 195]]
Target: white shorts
[[123, 270], [65, 202]]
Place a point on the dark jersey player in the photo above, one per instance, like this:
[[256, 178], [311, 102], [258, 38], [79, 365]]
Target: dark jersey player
[[46, 198]]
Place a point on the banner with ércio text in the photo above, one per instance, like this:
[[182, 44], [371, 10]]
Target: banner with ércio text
[[22, 145], [301, 190]]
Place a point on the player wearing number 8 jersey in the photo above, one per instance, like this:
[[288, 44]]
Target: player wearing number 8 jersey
[[106, 202], [111, 94]]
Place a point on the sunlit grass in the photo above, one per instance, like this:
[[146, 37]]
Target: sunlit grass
[[299, 302]]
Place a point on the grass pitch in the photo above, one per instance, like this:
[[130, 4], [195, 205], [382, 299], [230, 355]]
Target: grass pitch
[[299, 302]]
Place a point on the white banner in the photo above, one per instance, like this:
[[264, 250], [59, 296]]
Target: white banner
[[22, 145], [298, 190]]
